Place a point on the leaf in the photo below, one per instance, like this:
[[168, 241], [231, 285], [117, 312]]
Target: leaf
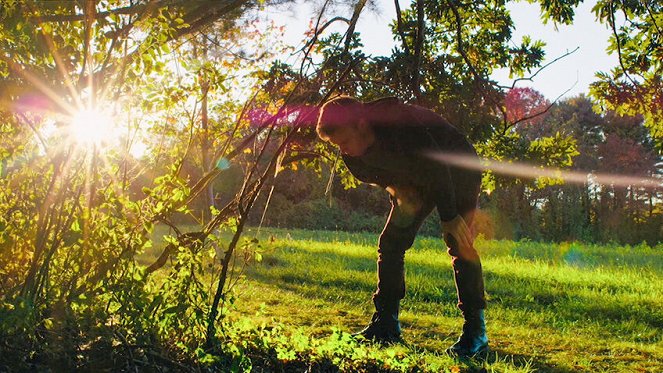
[[178, 195], [48, 324]]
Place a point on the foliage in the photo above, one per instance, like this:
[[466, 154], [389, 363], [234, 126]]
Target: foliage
[[635, 86], [98, 269], [74, 221], [582, 209], [527, 107]]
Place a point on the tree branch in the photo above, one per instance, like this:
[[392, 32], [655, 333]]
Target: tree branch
[[651, 15], [531, 77], [532, 116], [617, 40], [461, 50], [353, 23], [418, 51], [128, 10], [399, 27], [322, 28]]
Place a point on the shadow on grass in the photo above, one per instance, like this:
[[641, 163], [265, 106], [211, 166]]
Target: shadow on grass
[[536, 363]]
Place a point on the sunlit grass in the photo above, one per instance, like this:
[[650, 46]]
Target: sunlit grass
[[552, 307], [547, 309]]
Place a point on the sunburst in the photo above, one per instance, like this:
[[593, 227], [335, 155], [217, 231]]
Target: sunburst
[[92, 127]]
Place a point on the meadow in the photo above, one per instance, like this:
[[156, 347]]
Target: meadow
[[552, 307]]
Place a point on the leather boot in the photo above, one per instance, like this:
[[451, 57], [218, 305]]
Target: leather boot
[[474, 341], [384, 326]]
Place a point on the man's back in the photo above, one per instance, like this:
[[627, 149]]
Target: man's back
[[406, 135], [410, 128]]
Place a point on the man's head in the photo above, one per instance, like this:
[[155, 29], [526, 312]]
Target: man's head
[[343, 122]]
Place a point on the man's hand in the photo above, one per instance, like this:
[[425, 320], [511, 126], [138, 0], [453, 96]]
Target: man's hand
[[460, 231]]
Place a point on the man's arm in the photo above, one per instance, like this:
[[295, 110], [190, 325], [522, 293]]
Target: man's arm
[[367, 173], [405, 156], [435, 177]]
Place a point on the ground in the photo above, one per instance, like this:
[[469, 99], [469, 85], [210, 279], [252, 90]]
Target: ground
[[562, 307], [552, 307]]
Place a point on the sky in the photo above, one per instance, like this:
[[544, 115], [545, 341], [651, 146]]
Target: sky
[[574, 72]]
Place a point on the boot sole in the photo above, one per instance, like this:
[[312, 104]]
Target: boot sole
[[482, 353]]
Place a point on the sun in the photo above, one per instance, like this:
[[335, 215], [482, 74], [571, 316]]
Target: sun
[[92, 127]]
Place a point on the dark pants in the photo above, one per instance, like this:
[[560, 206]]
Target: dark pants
[[409, 208]]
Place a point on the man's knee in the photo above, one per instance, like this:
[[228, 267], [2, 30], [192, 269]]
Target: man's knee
[[395, 240], [455, 250]]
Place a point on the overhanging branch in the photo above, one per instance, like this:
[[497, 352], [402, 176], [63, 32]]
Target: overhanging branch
[[531, 77], [399, 27]]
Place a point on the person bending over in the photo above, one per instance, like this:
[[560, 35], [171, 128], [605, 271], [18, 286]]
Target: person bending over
[[389, 144]]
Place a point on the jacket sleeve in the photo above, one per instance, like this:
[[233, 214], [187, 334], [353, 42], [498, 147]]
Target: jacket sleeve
[[366, 173]]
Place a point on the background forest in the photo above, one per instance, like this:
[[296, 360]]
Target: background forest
[[141, 141]]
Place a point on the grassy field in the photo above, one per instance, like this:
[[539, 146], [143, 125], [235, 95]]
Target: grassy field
[[552, 307]]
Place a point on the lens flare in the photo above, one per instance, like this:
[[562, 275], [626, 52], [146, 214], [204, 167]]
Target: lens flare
[[528, 171], [92, 127]]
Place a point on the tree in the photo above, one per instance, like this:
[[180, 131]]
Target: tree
[[635, 86], [610, 144], [73, 227], [527, 108]]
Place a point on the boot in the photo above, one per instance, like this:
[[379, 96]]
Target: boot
[[474, 341], [384, 326]]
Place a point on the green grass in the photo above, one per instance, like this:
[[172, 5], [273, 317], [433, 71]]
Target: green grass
[[552, 307]]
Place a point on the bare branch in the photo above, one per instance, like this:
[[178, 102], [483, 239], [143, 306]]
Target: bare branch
[[322, 28], [353, 23], [531, 77], [532, 116]]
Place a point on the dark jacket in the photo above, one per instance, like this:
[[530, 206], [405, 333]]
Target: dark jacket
[[405, 136]]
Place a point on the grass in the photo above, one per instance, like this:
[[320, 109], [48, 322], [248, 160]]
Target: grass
[[552, 307]]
